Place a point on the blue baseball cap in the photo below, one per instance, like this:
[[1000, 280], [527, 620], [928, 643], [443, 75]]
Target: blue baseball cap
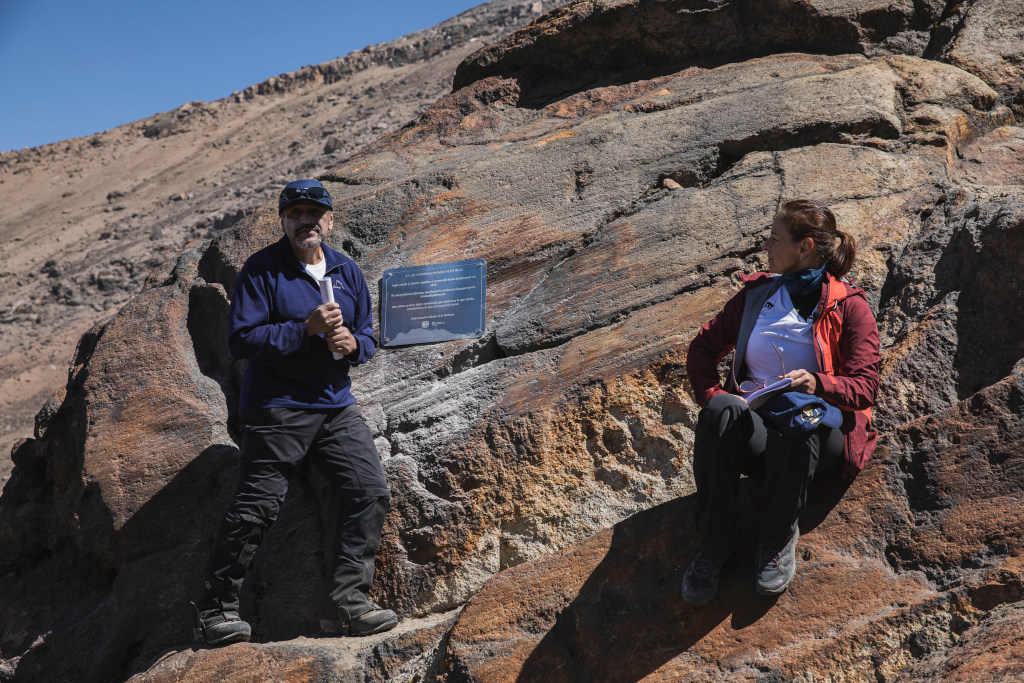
[[795, 412], [304, 191]]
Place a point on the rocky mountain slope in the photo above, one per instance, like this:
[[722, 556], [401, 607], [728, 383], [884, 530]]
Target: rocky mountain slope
[[540, 475], [118, 203]]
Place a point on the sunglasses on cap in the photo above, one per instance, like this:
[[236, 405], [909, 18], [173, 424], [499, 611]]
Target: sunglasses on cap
[[293, 193]]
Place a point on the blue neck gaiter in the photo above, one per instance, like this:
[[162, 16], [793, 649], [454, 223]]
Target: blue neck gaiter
[[803, 282]]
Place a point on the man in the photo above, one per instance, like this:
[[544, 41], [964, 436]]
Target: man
[[296, 401]]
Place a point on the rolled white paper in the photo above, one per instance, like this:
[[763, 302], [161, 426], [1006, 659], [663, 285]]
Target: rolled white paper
[[327, 297]]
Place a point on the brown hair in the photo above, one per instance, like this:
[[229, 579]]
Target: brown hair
[[809, 218]]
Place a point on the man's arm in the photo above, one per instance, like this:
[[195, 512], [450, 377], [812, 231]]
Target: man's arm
[[362, 326], [355, 340], [250, 332]]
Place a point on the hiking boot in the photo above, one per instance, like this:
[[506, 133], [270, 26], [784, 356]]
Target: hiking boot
[[219, 627], [700, 582], [377, 620], [776, 567], [216, 614]]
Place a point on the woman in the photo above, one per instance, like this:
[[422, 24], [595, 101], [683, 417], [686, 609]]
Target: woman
[[809, 325]]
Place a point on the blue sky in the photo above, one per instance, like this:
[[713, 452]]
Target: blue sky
[[72, 68]]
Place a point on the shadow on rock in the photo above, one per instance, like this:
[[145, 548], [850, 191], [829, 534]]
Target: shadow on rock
[[100, 614], [629, 619]]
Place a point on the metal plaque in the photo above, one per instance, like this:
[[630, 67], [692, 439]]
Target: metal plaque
[[435, 303]]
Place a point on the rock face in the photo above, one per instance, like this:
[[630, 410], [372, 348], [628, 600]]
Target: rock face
[[915, 574], [540, 475], [121, 202]]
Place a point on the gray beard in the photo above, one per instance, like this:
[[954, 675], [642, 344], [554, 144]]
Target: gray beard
[[311, 242]]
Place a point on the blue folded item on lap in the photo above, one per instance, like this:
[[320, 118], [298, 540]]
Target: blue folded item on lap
[[794, 413]]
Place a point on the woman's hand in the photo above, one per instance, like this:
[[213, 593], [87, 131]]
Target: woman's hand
[[803, 381]]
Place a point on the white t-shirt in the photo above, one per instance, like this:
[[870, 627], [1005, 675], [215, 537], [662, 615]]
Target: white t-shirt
[[779, 323], [317, 271]]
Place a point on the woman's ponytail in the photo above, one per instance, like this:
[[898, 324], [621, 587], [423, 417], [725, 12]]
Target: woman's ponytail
[[841, 259]]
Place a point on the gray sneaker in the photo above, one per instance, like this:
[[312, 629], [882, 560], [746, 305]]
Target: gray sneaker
[[776, 567], [700, 582]]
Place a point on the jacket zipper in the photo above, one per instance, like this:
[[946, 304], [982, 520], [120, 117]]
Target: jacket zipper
[[816, 323]]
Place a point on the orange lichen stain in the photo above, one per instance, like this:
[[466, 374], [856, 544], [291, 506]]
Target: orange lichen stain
[[662, 92], [413, 134], [518, 279], [443, 198], [446, 227], [1011, 566], [657, 332], [455, 229], [600, 100], [477, 122], [557, 136]]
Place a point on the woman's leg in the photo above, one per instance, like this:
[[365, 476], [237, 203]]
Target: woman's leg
[[790, 465], [729, 441]]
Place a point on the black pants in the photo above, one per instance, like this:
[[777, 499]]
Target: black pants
[[731, 440], [275, 442]]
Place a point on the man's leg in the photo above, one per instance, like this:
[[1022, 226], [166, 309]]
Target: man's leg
[[790, 466], [217, 618], [348, 456], [274, 442], [729, 439]]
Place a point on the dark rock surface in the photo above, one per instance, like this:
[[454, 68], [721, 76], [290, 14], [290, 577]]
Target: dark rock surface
[[404, 655], [541, 473]]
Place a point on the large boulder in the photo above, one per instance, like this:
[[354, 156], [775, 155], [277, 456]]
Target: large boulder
[[571, 414], [913, 572], [987, 39]]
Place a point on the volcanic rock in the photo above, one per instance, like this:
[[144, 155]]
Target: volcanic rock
[[540, 474], [400, 656], [910, 566], [108, 197], [989, 42], [333, 144]]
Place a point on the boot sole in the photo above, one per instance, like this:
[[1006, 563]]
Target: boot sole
[[226, 640], [235, 636], [699, 602]]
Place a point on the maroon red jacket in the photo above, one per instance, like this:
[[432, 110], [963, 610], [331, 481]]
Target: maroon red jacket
[[845, 342]]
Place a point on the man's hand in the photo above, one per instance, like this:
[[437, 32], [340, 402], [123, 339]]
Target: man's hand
[[340, 340], [323, 319], [803, 381]]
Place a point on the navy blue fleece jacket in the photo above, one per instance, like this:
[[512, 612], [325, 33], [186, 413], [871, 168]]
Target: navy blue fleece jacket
[[266, 325]]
